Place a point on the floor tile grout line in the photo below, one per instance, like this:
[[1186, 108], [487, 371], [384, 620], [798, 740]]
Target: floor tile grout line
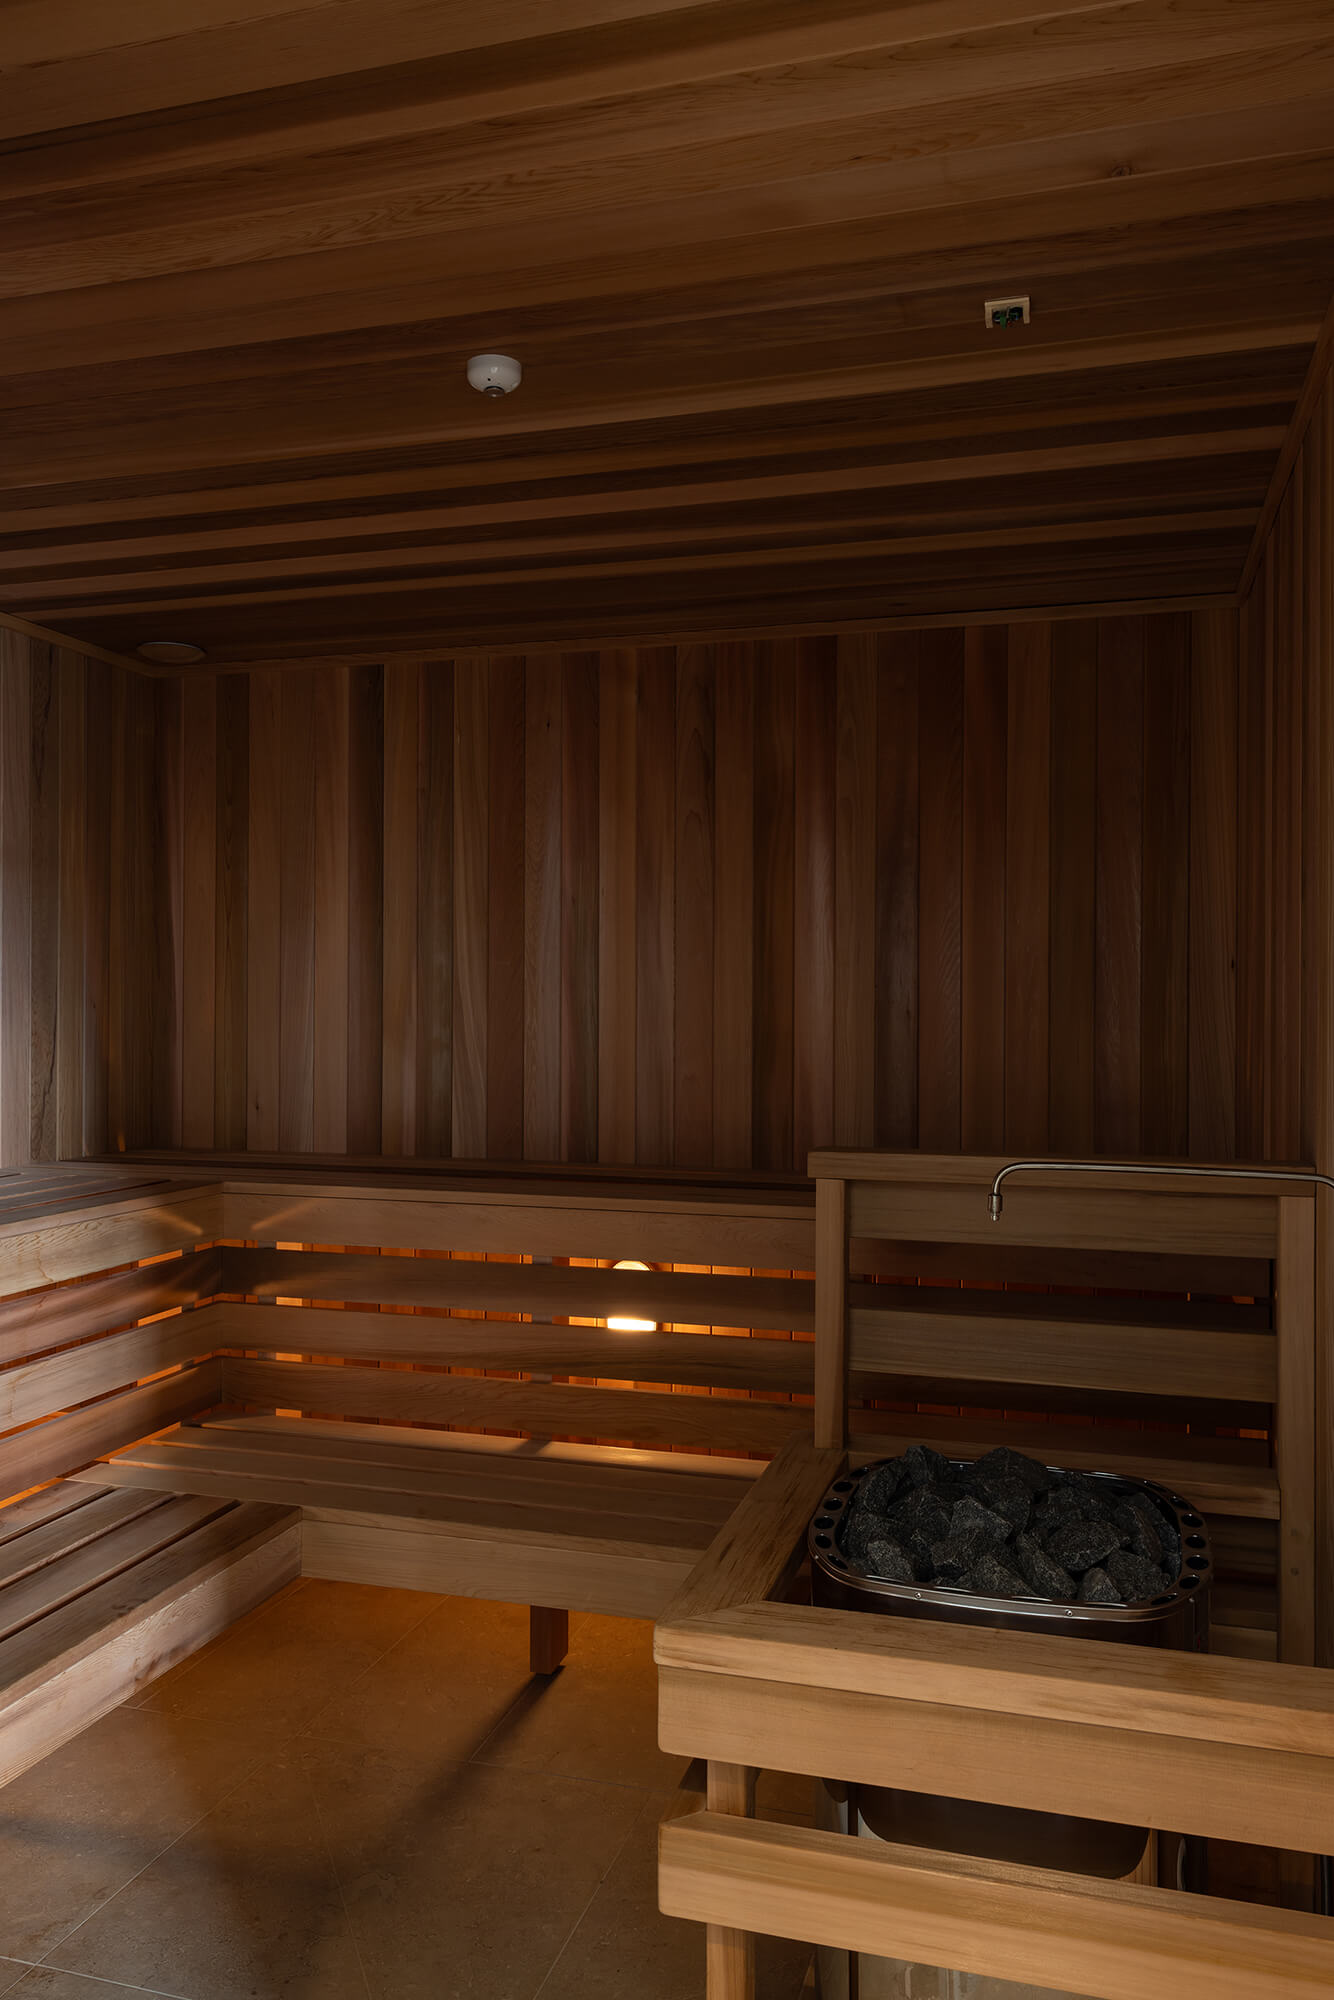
[[151, 1862], [601, 1885], [370, 1666]]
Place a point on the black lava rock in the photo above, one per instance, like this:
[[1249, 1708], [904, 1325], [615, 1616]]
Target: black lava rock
[[972, 1521], [1081, 1544], [1097, 1588], [1005, 1465], [886, 1559], [882, 1486], [991, 1577], [927, 1467], [1007, 1526], [1136, 1579], [1044, 1577]]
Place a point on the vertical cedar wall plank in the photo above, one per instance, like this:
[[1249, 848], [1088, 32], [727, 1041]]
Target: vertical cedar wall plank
[[1165, 1037], [1027, 886], [199, 937], [655, 904], [231, 902], [296, 1031], [16, 683], [329, 1110], [1283, 1136], [940, 877], [1073, 797], [1118, 911], [541, 983], [985, 747], [854, 891], [365, 908], [706, 905], [734, 905], [504, 1037], [97, 908], [44, 781], [579, 908], [264, 912], [73, 892], [897, 884], [814, 896], [435, 910], [399, 990], [1213, 885], [618, 697], [694, 875], [471, 901], [775, 969]]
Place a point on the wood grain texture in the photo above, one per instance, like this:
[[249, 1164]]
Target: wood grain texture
[[232, 343], [710, 905]]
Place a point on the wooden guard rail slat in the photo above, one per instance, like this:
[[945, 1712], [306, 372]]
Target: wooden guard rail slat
[[1233, 1749]]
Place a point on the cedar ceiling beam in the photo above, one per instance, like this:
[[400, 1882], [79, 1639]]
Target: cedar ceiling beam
[[1211, 532], [1317, 375], [990, 197], [400, 411], [721, 491], [54, 82]]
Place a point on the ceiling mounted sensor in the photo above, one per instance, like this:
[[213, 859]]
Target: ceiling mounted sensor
[[170, 652], [495, 374]]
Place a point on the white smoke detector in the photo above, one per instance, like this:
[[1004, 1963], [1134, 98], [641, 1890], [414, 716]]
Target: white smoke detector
[[495, 374]]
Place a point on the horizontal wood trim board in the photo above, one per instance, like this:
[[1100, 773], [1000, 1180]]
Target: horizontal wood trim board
[[331, 1488], [36, 1389], [1117, 1941], [543, 1290], [44, 1545], [50, 1450], [34, 1597], [550, 1410], [1074, 1680], [1265, 1797], [760, 1541], [699, 1360], [994, 1263], [36, 1321], [691, 1503], [82, 1242], [1236, 1366], [114, 1640], [1222, 1476], [656, 1235], [103, 1614], [1191, 1225], [619, 1585]]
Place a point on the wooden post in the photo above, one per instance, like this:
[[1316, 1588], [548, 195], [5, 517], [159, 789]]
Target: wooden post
[[831, 1314], [548, 1639], [730, 1955], [1295, 1465], [1294, 1446]]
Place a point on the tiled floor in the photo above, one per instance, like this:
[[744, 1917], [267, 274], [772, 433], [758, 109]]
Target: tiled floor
[[362, 1795]]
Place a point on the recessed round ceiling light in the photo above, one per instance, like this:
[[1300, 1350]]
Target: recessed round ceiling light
[[170, 652]]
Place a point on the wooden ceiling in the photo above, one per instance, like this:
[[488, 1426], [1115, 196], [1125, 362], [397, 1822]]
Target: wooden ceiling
[[742, 248]]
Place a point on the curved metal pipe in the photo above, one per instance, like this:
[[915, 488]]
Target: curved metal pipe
[[995, 1201]]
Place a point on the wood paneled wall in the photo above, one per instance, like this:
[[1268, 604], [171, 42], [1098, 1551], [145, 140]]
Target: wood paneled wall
[[714, 905], [88, 1043], [1286, 902]]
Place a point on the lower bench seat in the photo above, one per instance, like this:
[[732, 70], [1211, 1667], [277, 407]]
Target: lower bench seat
[[583, 1528], [101, 1590]]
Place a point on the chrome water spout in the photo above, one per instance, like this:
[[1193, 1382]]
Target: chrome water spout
[[996, 1202]]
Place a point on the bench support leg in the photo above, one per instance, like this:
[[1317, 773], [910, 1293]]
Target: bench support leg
[[548, 1638], [730, 1955]]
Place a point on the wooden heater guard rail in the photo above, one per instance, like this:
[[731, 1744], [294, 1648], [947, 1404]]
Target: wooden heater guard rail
[[1236, 1749]]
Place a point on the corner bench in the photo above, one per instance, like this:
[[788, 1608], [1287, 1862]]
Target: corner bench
[[102, 1590]]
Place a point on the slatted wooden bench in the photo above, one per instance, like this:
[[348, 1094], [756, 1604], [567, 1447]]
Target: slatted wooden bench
[[579, 1528], [102, 1590]]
